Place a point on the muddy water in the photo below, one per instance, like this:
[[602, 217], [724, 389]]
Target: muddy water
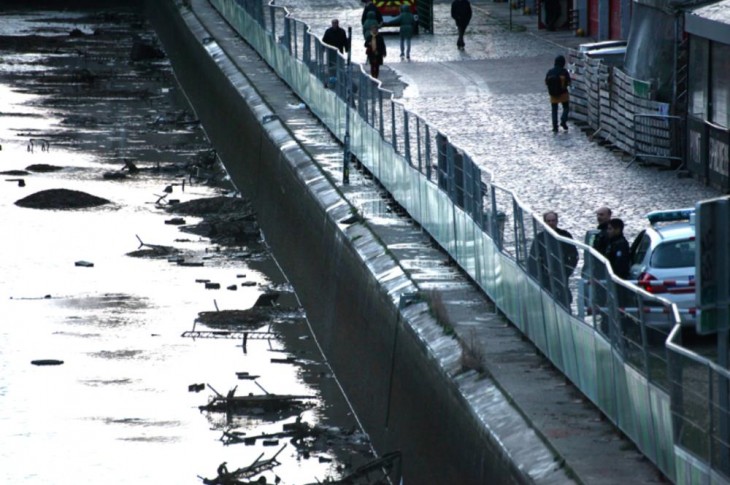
[[119, 408]]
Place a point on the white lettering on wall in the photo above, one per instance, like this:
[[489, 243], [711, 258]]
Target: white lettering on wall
[[719, 157]]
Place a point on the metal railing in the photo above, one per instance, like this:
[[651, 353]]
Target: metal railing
[[619, 109], [559, 292]]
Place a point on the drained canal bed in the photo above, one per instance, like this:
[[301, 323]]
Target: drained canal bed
[[168, 346]]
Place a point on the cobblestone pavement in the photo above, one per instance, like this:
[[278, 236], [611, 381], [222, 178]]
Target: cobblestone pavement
[[491, 101]]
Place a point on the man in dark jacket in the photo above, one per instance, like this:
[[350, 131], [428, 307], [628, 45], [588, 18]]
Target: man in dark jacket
[[370, 7], [617, 251], [557, 81], [603, 216], [336, 37], [558, 279], [461, 13]]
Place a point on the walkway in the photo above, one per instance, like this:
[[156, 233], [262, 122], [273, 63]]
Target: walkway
[[585, 447]]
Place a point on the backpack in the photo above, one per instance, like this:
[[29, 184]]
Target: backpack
[[554, 84]]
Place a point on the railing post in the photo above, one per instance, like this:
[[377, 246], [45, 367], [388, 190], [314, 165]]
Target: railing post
[[428, 152]]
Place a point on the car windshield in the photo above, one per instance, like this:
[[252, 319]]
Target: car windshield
[[674, 254]]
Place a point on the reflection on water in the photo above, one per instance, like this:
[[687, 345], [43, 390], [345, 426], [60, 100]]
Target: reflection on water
[[119, 409]]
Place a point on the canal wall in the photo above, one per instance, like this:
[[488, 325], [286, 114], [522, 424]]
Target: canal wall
[[377, 336]]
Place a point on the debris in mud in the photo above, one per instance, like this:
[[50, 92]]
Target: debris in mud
[[84, 264], [252, 318], [21, 182], [15, 173], [226, 220], [61, 199], [230, 403], [43, 168], [154, 251], [236, 476], [214, 205], [46, 362], [143, 50], [114, 175], [385, 470]]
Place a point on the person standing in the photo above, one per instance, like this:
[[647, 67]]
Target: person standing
[[603, 216], [617, 250], [336, 37], [461, 13], [375, 50], [540, 255], [406, 21], [557, 81]]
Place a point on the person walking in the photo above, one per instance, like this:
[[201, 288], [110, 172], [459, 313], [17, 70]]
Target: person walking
[[557, 81], [406, 21], [369, 21], [461, 13], [336, 37], [375, 50], [370, 7]]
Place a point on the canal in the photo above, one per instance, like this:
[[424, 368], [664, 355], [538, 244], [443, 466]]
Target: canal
[[113, 293]]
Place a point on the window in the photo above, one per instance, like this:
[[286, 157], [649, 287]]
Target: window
[[674, 254]]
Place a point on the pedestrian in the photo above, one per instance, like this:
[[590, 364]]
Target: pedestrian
[[370, 7], [461, 13], [566, 253], [557, 81], [375, 50], [369, 21], [552, 13], [336, 37], [617, 250], [406, 21], [603, 216]]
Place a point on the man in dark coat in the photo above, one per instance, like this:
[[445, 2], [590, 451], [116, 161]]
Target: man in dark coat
[[558, 279], [557, 81], [461, 13], [370, 7], [603, 216], [617, 251], [336, 37]]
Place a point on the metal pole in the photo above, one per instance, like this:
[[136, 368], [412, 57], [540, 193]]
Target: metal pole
[[348, 100]]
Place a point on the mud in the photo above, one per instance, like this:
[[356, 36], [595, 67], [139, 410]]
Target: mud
[[100, 76], [61, 199]]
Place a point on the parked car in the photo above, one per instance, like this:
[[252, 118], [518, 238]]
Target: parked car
[[663, 259]]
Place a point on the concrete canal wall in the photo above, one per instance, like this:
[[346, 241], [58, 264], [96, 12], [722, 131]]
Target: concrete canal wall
[[353, 290]]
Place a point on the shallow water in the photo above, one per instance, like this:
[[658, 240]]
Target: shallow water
[[119, 409]]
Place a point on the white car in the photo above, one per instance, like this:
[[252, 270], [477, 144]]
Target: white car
[[663, 259]]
